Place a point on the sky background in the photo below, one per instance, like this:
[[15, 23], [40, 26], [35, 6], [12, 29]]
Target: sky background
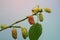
[[13, 10]]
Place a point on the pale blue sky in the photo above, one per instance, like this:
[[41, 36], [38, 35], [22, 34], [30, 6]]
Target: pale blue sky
[[13, 10]]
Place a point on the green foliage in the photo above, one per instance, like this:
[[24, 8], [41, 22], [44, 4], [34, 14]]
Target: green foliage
[[35, 31]]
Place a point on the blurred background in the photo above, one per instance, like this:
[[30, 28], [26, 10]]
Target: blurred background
[[13, 10]]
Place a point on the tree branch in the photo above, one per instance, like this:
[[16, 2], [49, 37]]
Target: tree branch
[[10, 27], [16, 23]]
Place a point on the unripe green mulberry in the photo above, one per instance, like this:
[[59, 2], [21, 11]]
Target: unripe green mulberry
[[3, 26], [41, 17], [14, 33], [48, 10], [35, 10], [24, 33]]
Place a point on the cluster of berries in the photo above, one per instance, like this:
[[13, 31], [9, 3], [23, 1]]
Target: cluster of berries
[[35, 10]]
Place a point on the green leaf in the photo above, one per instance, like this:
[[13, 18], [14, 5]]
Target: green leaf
[[35, 31]]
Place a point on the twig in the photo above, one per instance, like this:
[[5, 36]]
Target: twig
[[10, 27], [16, 23]]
